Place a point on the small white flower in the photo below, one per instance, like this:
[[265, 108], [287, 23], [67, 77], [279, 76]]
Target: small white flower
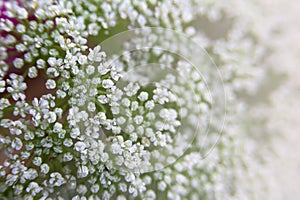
[[61, 94], [75, 70], [47, 142], [32, 72], [96, 55], [75, 133], [18, 63], [50, 84], [116, 148], [80, 146], [149, 105], [107, 83], [161, 95], [29, 135], [28, 57], [143, 96], [121, 120], [50, 117], [20, 28], [56, 179], [129, 128], [51, 61], [81, 189], [115, 110], [82, 171], [51, 71], [138, 119], [95, 188], [161, 139], [67, 157], [57, 127], [134, 105], [131, 89], [140, 130], [17, 86], [116, 130], [68, 142], [17, 144], [126, 102], [121, 197], [103, 68], [22, 13], [90, 69], [133, 137], [91, 107], [145, 141], [2, 86], [123, 187], [102, 99], [150, 194], [104, 157], [33, 188], [169, 121], [141, 20], [37, 161], [82, 59], [30, 174], [23, 48], [44, 168]]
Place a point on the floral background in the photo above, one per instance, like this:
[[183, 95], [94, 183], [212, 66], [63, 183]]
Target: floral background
[[66, 55]]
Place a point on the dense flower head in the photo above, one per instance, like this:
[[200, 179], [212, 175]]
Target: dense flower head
[[78, 121]]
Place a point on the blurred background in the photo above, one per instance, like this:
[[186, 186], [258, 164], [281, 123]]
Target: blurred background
[[282, 171]]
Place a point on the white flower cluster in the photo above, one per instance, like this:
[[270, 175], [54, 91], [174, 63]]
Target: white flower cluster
[[96, 131]]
